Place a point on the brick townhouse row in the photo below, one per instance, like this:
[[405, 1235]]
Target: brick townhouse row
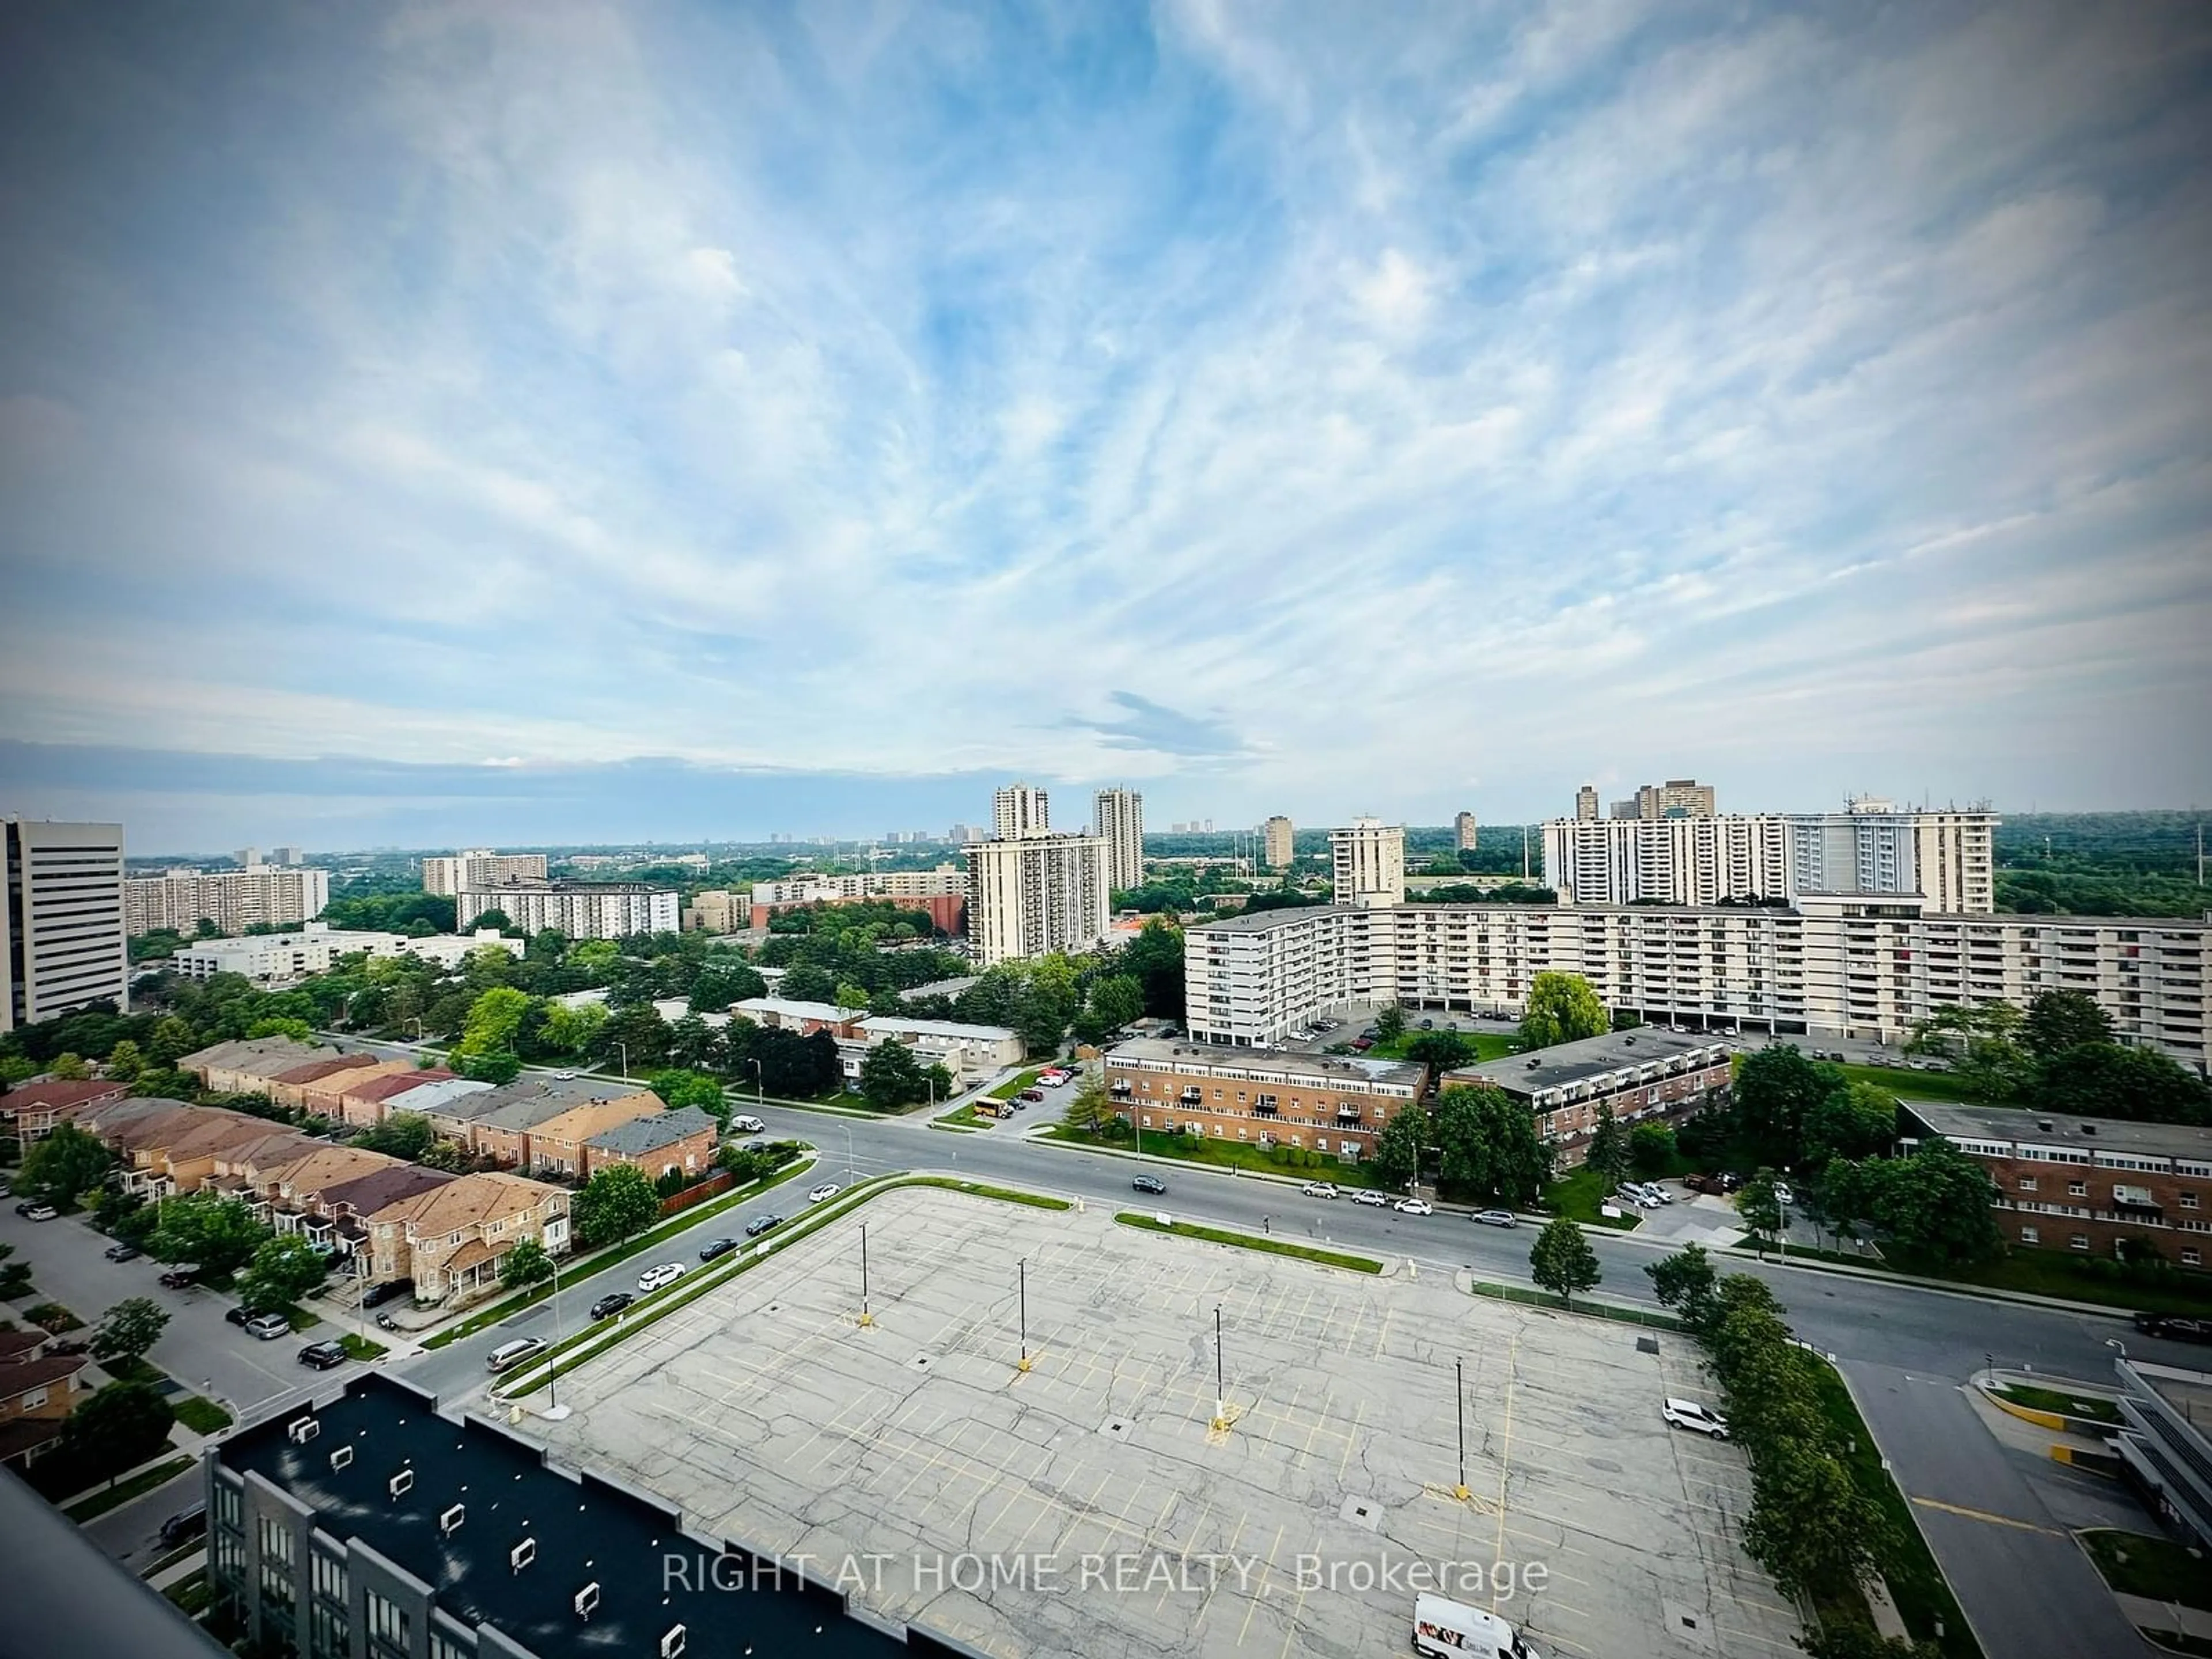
[[382, 1218], [538, 1124], [39, 1389]]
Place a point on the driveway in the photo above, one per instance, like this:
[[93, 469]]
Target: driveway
[[206, 1354]]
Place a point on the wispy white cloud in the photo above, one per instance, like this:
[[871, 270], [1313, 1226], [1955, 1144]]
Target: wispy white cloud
[[1257, 402]]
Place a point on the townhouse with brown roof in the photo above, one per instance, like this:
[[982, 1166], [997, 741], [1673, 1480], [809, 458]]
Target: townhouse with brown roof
[[556, 1146], [363, 1103], [37, 1391], [451, 1241], [338, 1214], [500, 1123], [30, 1111], [245, 1067], [325, 1095], [681, 1138], [290, 1086]]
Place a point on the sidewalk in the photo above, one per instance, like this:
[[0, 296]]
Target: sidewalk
[[2146, 1614]]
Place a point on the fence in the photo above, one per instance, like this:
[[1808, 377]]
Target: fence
[[712, 1186]]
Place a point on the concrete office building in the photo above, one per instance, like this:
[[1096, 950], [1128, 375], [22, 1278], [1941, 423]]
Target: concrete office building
[[62, 943], [1368, 860], [1277, 842], [1836, 966], [1120, 822], [274, 957], [1944, 857], [1321, 1102], [1677, 798], [1018, 810], [1586, 805], [581, 910], [1464, 832], [480, 868], [1034, 895], [289, 858], [2085, 1185], [233, 900]]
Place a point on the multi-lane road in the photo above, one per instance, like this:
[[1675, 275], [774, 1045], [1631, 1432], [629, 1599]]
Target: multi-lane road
[[1907, 1351]]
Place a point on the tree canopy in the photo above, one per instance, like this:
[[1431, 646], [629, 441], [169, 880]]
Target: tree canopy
[[1562, 1008]]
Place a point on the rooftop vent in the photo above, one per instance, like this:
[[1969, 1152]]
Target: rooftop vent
[[522, 1554], [301, 1429], [2089, 1128], [2044, 1124], [401, 1484], [587, 1599], [341, 1458], [672, 1644], [450, 1522]]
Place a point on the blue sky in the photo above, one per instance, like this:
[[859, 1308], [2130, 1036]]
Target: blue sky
[[440, 422]]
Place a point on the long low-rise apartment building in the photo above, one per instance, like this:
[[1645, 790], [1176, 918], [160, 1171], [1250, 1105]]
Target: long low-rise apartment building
[[1643, 1075], [2087, 1186], [1850, 967], [1320, 1102], [580, 909]]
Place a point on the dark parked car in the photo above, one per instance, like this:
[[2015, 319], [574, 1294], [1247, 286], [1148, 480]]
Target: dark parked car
[[377, 1295], [1148, 1184], [613, 1303], [236, 1315], [178, 1279], [123, 1252], [2174, 1327], [323, 1355], [760, 1224], [717, 1247], [185, 1523], [1032, 1095]]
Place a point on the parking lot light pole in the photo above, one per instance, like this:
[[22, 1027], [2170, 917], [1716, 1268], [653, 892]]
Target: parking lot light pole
[[867, 1319], [1022, 1268], [1220, 1386], [1458, 1409], [624, 1048]]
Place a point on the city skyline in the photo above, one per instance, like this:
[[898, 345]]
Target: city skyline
[[443, 427]]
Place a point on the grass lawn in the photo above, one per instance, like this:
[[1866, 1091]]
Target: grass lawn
[[202, 1416], [2137, 1564], [1210, 1152], [2077, 1279], [53, 1318], [1152, 1223], [1914, 1085], [1014, 1084], [2066, 1405], [966, 1118], [1488, 1045], [359, 1347], [182, 1552], [123, 1491], [1535, 1298], [299, 1318], [1577, 1196], [134, 1370], [615, 1253], [1915, 1583], [190, 1594]]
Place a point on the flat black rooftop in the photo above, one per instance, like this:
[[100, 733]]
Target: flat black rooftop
[[586, 1530], [1592, 1057]]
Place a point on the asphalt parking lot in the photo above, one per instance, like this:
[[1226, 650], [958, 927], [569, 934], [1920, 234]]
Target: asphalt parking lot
[[773, 1420]]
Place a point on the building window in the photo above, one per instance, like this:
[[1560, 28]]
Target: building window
[[2193, 1258], [2030, 1235], [443, 1646], [2079, 1241], [32, 1400], [388, 1623], [226, 1504], [2077, 1189], [2026, 1183], [2187, 1200], [275, 1541], [326, 1632], [330, 1576]]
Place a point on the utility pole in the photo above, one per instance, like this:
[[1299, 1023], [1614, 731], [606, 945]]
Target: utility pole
[[1459, 1407], [1021, 1268], [1220, 1388], [867, 1319]]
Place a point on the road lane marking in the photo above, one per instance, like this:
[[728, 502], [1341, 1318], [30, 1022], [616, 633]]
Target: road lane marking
[[1984, 1515]]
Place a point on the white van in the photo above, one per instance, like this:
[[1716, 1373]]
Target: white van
[[1453, 1630]]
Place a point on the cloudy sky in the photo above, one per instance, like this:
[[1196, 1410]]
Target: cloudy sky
[[436, 422]]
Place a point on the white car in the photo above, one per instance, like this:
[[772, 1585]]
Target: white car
[[827, 1190], [1372, 1199], [745, 1124], [1319, 1189], [666, 1273], [1658, 1194], [1414, 1207], [510, 1354], [564, 1077], [1689, 1415], [1495, 1218]]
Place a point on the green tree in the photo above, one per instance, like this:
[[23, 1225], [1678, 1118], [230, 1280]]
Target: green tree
[[1856, 1119], [1561, 1260], [123, 1061], [171, 1040], [1938, 1205], [2059, 1020], [217, 1234], [69, 1068], [1809, 1525], [1776, 1090], [2106, 1079], [1398, 1147], [1117, 1001], [1488, 1147], [1984, 1042], [64, 1168], [121, 1426], [853, 997], [570, 1030], [525, 1265], [298, 1030], [637, 1036], [1840, 1637], [614, 1204], [1155, 956], [493, 1020], [1685, 1282], [720, 984], [1390, 1024], [284, 1269], [1761, 1207], [891, 1078], [1445, 1050], [1608, 1156], [494, 917], [1562, 1008], [128, 1330], [1652, 1148], [494, 1065], [403, 1134]]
